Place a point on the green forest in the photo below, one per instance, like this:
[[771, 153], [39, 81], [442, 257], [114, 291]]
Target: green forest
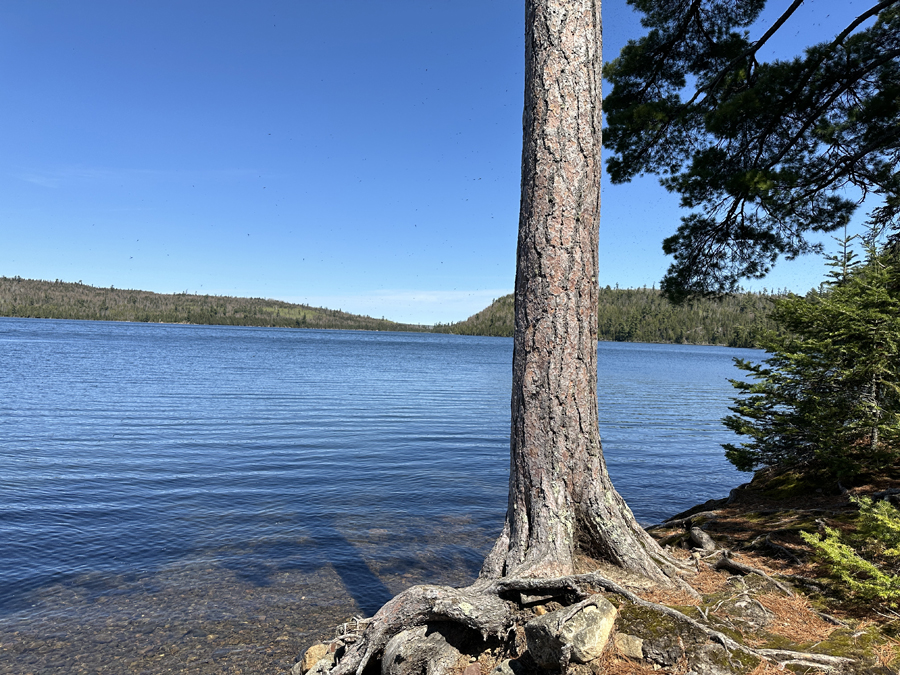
[[61, 300], [625, 315], [644, 315]]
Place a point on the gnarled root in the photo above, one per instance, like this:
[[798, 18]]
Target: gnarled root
[[731, 565], [487, 614], [482, 608]]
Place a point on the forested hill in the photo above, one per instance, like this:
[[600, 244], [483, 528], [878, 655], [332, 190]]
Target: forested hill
[[61, 300], [625, 315], [643, 315]]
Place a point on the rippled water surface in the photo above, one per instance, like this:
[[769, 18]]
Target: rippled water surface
[[207, 499]]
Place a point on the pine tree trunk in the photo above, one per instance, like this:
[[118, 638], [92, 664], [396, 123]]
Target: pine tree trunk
[[560, 494]]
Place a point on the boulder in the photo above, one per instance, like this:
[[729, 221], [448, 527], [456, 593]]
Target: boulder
[[570, 633], [703, 540], [421, 651], [737, 601]]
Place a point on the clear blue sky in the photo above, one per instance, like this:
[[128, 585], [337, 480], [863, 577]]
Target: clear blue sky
[[354, 154]]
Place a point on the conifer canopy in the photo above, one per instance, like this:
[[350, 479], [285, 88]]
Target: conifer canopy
[[763, 153]]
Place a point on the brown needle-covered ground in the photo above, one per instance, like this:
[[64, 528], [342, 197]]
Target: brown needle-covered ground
[[760, 524]]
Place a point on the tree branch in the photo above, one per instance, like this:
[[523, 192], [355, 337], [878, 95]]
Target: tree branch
[[750, 51]]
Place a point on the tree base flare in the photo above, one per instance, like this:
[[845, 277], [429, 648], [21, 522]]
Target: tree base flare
[[486, 626]]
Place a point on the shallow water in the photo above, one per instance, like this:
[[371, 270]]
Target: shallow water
[[207, 499]]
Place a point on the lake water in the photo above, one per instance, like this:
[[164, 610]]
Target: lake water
[[212, 499]]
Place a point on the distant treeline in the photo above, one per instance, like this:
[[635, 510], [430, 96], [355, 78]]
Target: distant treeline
[[644, 315], [61, 300], [625, 315]]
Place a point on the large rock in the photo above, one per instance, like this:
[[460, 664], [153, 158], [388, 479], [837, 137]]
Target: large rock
[[313, 655], [737, 601], [555, 638], [421, 651]]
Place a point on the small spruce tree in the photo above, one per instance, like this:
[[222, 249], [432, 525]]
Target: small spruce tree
[[828, 395]]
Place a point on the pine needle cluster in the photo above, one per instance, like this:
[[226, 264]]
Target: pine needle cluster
[[866, 562]]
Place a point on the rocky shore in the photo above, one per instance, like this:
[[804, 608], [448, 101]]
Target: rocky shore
[[755, 602]]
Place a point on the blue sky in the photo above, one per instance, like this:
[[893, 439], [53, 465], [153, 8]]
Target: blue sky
[[361, 155]]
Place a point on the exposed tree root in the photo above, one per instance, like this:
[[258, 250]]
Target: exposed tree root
[[684, 522], [483, 608], [675, 570], [789, 658], [703, 541], [580, 585], [731, 565], [766, 540], [485, 613], [673, 539]]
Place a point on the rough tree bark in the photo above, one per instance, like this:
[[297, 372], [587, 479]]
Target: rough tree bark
[[560, 494]]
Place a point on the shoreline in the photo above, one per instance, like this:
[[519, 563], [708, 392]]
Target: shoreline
[[424, 330]]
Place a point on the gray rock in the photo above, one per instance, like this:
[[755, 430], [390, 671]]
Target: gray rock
[[421, 651], [555, 638], [703, 540], [747, 610], [310, 664], [629, 645], [322, 667], [738, 602]]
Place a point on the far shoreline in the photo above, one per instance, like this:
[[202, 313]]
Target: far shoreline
[[424, 330]]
